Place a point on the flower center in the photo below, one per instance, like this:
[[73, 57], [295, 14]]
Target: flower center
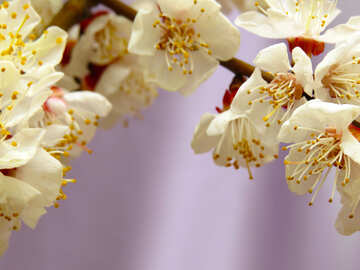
[[246, 149], [282, 92], [341, 83], [110, 45], [319, 156], [179, 40]]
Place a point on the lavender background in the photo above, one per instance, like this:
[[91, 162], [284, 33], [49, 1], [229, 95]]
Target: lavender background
[[144, 201]]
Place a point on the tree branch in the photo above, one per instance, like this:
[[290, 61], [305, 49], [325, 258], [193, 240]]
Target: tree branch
[[120, 8], [72, 12]]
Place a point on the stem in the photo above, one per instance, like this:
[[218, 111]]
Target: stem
[[72, 12], [240, 67], [120, 8]]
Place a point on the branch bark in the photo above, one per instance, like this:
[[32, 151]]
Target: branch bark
[[72, 12]]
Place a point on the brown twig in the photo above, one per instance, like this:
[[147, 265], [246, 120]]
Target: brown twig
[[240, 67], [120, 8], [72, 12]]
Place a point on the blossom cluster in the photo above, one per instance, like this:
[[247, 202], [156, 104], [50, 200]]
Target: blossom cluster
[[314, 112], [42, 126], [56, 87]]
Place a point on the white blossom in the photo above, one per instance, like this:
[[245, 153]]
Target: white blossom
[[182, 42], [290, 19], [322, 138], [274, 101], [299, 21], [338, 75], [235, 139], [70, 120]]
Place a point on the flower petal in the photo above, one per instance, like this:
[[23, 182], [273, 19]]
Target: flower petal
[[27, 140], [201, 142], [204, 67], [351, 146], [247, 92], [220, 123], [316, 116], [274, 58], [46, 179], [218, 32], [303, 70], [345, 225], [342, 32], [88, 101], [144, 36]]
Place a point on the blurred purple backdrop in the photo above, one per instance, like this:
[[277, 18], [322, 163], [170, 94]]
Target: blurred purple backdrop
[[144, 201]]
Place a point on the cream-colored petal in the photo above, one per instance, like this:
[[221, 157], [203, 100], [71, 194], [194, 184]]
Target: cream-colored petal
[[27, 140], [17, 195], [144, 36], [219, 33], [274, 58], [157, 72], [303, 70], [204, 67], [188, 8], [342, 32], [25, 19], [54, 134], [345, 225], [275, 25], [46, 179], [88, 101], [5, 233], [351, 146], [219, 124], [49, 48], [201, 142], [315, 116], [112, 78], [248, 91]]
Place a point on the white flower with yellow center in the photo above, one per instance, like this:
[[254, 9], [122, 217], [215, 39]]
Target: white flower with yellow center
[[183, 41], [290, 18], [299, 21], [323, 138], [70, 120], [338, 75], [275, 101], [235, 139]]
